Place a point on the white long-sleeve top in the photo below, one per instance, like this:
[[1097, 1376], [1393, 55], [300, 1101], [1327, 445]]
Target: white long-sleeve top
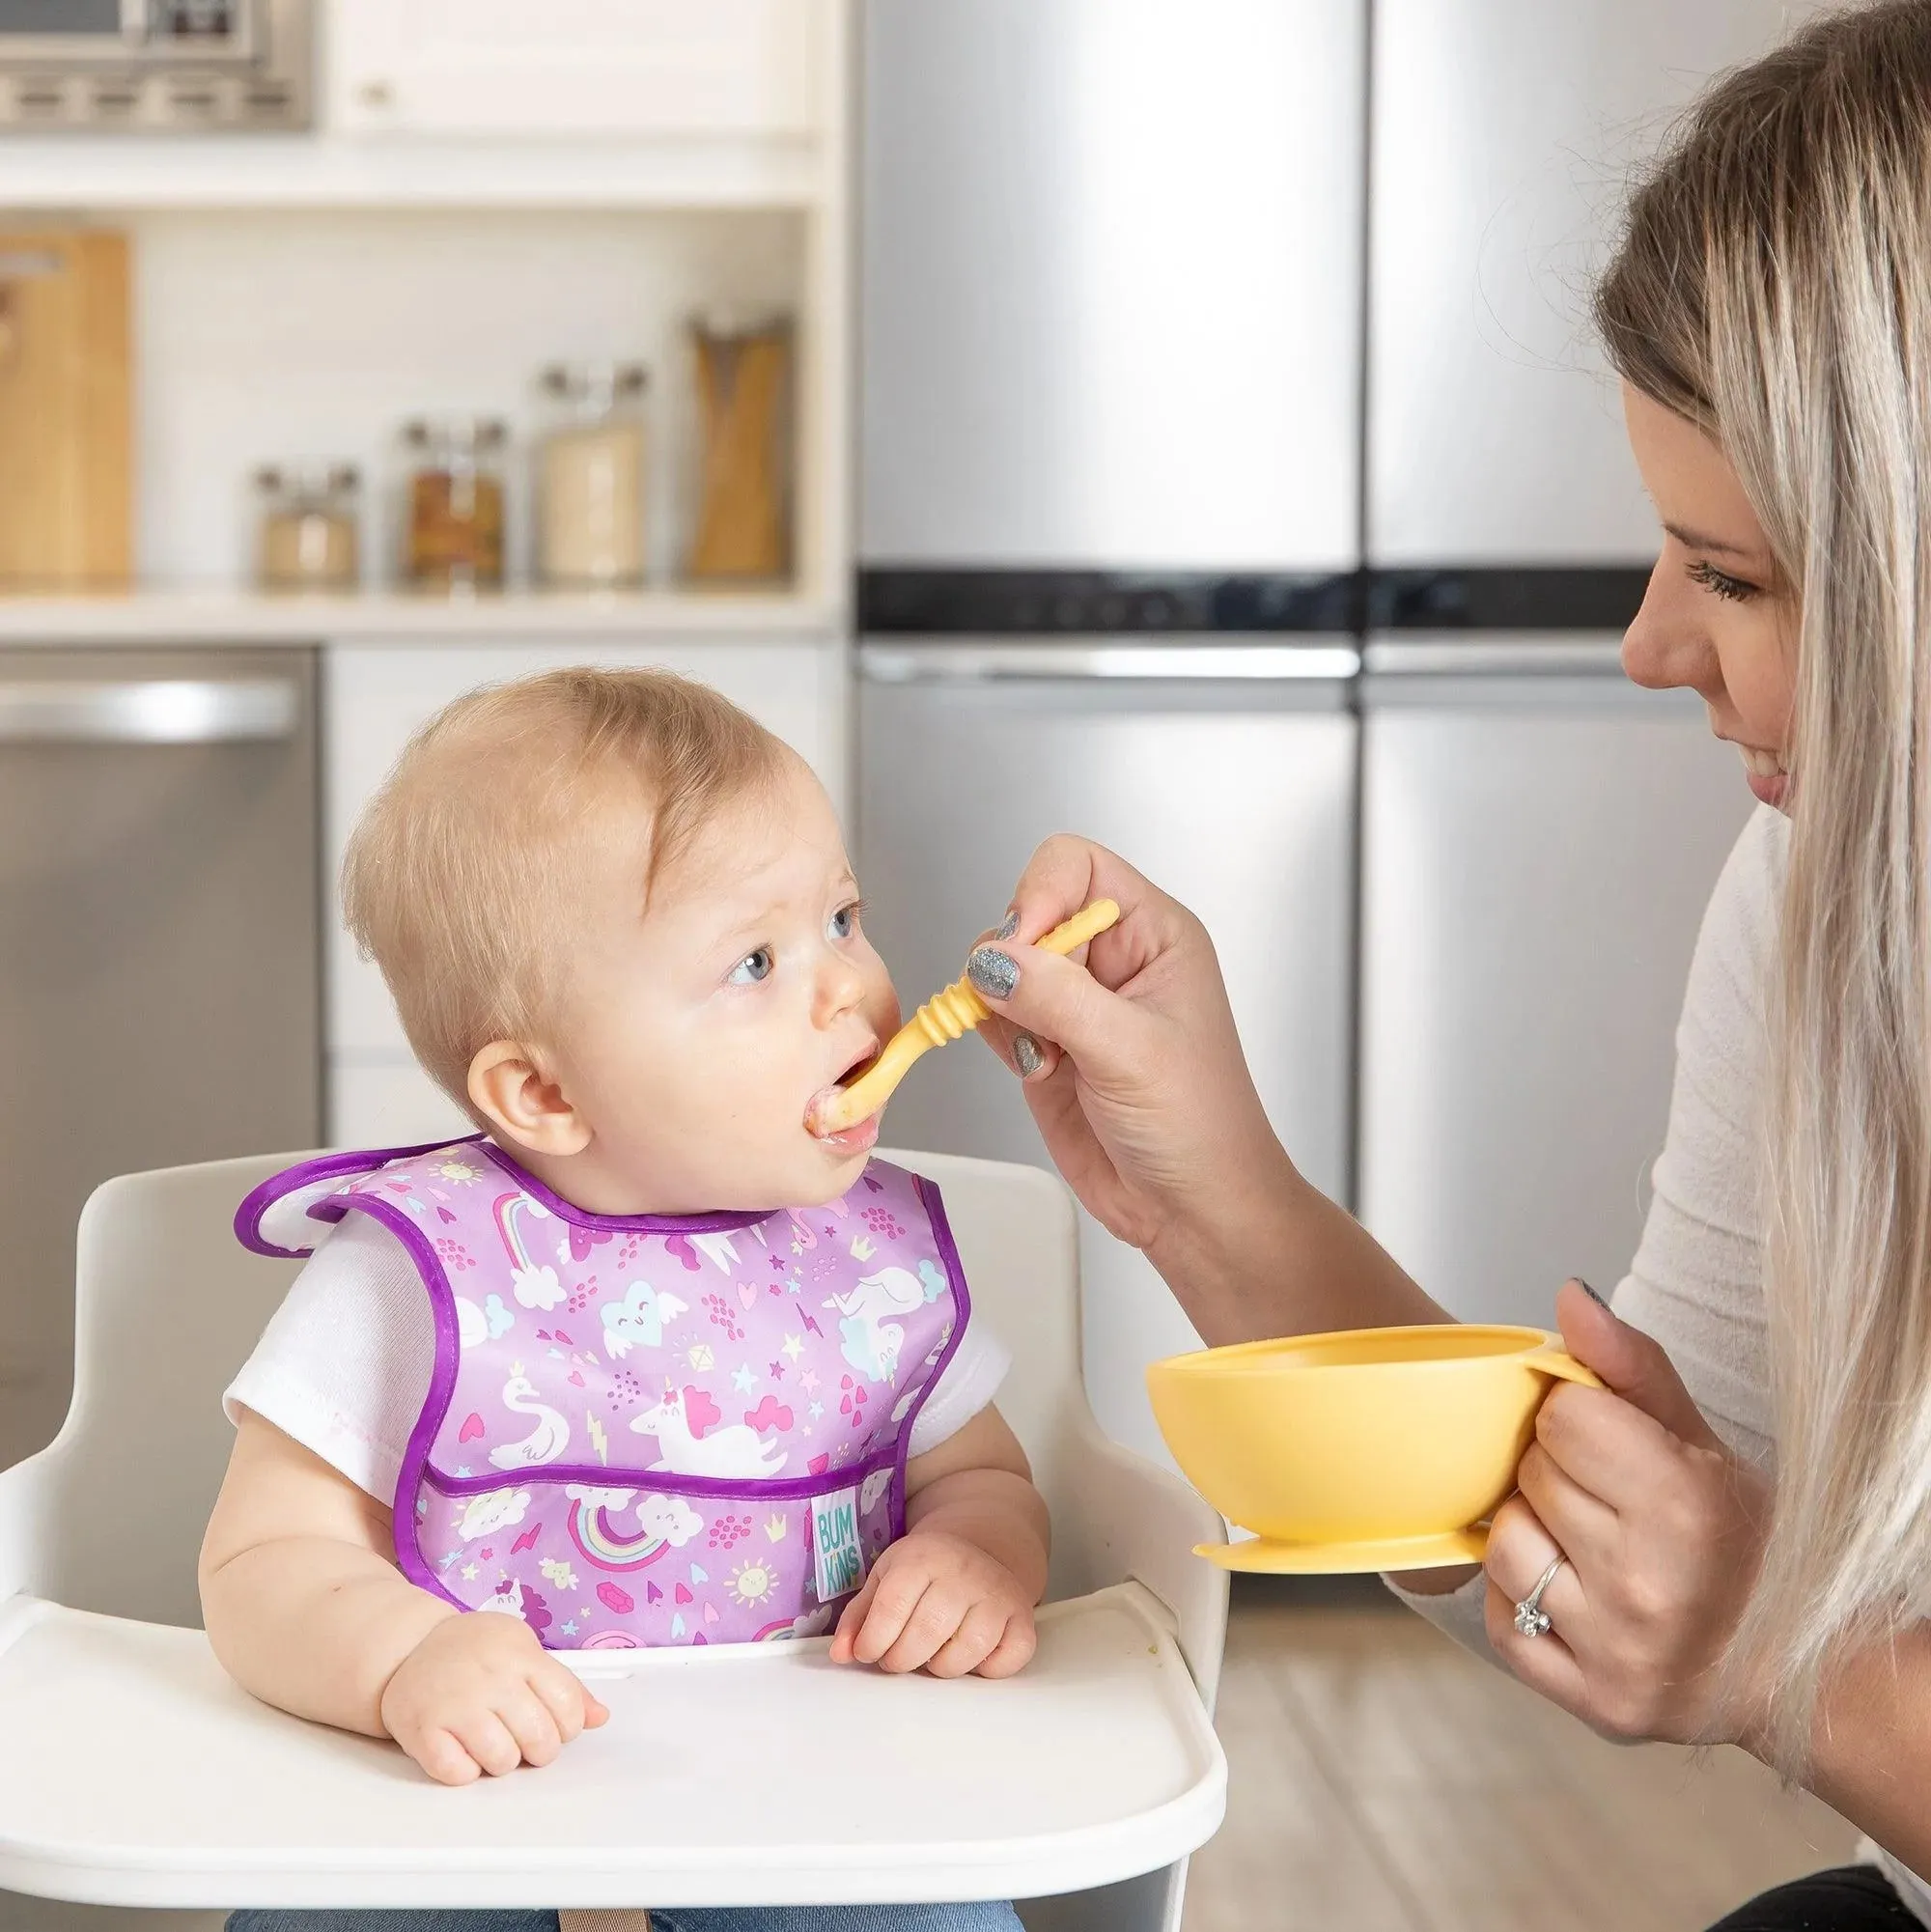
[[1696, 1284]]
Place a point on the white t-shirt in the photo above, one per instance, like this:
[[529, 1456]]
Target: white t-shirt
[[344, 1363], [1696, 1282]]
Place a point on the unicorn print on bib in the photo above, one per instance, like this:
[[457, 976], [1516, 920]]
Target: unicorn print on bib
[[735, 1450], [873, 1329]]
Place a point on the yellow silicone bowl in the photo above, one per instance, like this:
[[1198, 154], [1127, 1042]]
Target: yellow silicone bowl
[[1378, 1449]]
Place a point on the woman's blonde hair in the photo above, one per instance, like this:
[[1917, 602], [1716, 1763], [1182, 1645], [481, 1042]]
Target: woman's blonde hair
[[1774, 286], [465, 877]]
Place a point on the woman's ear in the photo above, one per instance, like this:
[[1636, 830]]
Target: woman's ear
[[511, 1089]]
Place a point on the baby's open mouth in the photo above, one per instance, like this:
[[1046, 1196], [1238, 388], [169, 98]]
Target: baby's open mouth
[[858, 1069], [814, 1110]]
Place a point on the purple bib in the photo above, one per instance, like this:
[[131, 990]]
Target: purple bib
[[648, 1429]]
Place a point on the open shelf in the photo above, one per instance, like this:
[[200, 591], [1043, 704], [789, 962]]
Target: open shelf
[[308, 171], [214, 616]]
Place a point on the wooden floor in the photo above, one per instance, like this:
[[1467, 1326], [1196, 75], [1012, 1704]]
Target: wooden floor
[[1383, 1779]]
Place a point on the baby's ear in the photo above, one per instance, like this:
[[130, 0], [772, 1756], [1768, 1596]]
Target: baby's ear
[[519, 1096]]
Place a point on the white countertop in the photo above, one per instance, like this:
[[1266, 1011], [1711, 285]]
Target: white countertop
[[212, 616]]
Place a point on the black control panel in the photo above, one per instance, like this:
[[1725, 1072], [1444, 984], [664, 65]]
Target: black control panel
[[1097, 602], [995, 602], [1560, 597]]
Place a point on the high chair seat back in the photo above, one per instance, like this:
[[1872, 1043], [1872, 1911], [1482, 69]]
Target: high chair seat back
[[167, 1306]]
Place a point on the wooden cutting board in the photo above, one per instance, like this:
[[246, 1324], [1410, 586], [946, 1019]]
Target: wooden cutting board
[[66, 476]]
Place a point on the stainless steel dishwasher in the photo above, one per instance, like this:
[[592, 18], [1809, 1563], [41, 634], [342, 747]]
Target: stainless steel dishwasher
[[1225, 768], [1538, 840], [158, 950]]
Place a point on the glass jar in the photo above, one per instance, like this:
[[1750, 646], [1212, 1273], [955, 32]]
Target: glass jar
[[452, 539], [310, 526], [745, 399], [590, 479]]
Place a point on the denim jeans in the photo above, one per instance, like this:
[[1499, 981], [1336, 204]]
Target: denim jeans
[[973, 1917]]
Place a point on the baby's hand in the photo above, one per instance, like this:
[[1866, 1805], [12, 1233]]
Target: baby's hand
[[479, 1694], [939, 1602]]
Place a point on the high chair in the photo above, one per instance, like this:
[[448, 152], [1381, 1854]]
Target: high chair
[[136, 1773]]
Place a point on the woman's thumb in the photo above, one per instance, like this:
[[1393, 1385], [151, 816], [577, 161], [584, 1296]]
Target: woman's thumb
[[1056, 1000], [1631, 1364]]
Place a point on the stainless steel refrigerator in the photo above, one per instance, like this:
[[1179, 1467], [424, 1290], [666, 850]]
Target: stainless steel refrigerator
[[1234, 490]]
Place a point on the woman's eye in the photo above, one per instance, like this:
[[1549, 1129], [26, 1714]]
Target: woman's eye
[[1721, 581], [754, 967], [844, 922]]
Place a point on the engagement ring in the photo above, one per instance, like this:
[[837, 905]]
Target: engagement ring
[[1530, 1618]]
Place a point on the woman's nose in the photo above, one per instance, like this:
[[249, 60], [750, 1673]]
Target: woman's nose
[[1666, 647]]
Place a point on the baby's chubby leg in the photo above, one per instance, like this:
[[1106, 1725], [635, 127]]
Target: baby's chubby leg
[[450, 1919], [976, 1917]]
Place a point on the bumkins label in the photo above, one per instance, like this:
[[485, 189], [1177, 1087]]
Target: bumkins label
[[838, 1556]]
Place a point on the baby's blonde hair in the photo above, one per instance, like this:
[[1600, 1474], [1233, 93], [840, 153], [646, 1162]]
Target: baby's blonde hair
[[462, 872]]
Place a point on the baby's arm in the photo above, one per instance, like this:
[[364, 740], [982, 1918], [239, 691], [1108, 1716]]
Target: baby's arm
[[305, 1609], [956, 1592]]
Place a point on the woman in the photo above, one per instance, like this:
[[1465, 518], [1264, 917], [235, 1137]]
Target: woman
[[1770, 314]]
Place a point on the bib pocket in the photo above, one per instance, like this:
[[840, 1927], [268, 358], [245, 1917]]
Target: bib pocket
[[615, 1558]]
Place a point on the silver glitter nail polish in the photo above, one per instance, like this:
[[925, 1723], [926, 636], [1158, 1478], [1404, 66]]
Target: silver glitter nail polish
[[1026, 1055], [994, 973], [1600, 1301], [1011, 927]]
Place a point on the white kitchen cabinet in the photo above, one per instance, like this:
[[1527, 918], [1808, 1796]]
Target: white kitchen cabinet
[[375, 696], [577, 68]]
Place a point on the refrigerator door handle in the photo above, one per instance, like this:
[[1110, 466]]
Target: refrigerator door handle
[[1174, 662], [1447, 657], [158, 710]]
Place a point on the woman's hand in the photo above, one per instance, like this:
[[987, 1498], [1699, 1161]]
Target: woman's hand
[[1134, 1072], [1663, 1530], [1151, 1102]]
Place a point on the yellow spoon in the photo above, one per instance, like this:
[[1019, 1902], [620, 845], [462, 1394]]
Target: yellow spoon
[[945, 1015]]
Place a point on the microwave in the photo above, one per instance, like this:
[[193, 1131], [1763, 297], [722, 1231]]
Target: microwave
[[156, 66]]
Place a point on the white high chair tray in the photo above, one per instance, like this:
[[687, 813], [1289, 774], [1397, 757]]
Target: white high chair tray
[[137, 1773]]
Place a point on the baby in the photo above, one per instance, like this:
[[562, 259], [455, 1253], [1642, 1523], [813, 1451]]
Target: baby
[[644, 1361]]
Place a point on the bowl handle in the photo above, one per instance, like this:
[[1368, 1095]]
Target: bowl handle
[[1553, 1360]]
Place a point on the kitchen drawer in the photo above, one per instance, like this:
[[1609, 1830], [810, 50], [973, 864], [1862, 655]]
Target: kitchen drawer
[[376, 694], [577, 68]]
